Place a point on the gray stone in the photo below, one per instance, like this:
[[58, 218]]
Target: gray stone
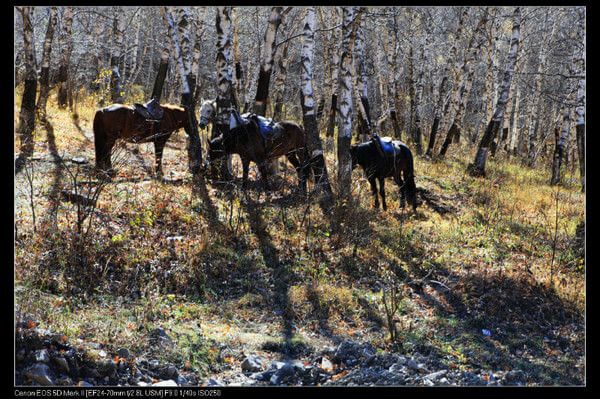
[[514, 377], [326, 364], [435, 376], [169, 372], [42, 356], [166, 383], [106, 368], [62, 364], [123, 352], [181, 380], [39, 373], [79, 160], [252, 363], [214, 383], [412, 364]]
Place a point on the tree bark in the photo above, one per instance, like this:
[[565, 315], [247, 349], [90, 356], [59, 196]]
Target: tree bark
[[345, 91], [266, 66], [335, 71], [224, 80], [66, 39], [360, 86], [27, 113], [315, 147], [181, 40], [477, 168], [45, 71], [444, 83], [116, 57], [580, 109], [464, 84]]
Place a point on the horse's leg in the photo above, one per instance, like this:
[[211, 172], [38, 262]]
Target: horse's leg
[[264, 172], [159, 145], [293, 158], [401, 186], [382, 192], [374, 191], [108, 157], [245, 169]]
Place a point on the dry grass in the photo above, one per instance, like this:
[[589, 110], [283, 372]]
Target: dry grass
[[214, 265]]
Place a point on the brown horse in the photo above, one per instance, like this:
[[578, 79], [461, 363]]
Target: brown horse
[[123, 122], [245, 139]]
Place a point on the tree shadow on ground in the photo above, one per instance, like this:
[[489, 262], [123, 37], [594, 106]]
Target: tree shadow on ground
[[282, 275], [526, 321]]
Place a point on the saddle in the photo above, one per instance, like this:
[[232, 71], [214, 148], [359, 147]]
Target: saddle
[[269, 130], [386, 146], [151, 110]]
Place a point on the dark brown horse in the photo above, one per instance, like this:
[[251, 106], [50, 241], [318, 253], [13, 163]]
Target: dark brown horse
[[387, 158], [124, 122], [245, 139]]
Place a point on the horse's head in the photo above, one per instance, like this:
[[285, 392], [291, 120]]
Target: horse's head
[[208, 110]]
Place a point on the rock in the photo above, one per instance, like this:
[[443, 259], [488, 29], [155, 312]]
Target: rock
[[42, 356], [153, 364], [106, 368], [169, 372], [62, 364], [412, 364], [159, 336], [326, 364], [64, 381], [181, 380], [514, 377], [166, 383], [213, 383], [142, 384], [84, 383], [79, 160], [252, 363], [40, 373], [123, 352], [435, 376], [350, 353]]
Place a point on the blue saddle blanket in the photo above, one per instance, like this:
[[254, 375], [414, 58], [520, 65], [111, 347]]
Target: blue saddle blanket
[[387, 146]]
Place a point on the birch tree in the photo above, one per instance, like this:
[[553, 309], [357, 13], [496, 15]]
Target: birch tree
[[181, 40], [345, 93], [361, 83], [464, 84], [580, 110], [392, 61], [334, 74], [266, 66], [66, 39], [444, 83], [477, 168], [116, 90], [45, 71], [315, 147], [224, 79], [27, 113]]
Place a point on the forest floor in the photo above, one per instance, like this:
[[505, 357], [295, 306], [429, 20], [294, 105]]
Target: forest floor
[[199, 275]]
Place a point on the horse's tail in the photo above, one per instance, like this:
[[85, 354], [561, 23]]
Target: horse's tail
[[409, 176], [99, 138]]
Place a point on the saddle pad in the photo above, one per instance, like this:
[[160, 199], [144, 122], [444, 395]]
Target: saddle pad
[[387, 146], [265, 126]]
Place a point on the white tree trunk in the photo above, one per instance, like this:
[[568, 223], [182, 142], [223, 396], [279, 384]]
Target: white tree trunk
[[345, 101], [477, 168]]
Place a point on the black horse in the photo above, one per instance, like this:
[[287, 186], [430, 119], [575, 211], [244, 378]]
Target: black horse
[[244, 138], [387, 158]]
